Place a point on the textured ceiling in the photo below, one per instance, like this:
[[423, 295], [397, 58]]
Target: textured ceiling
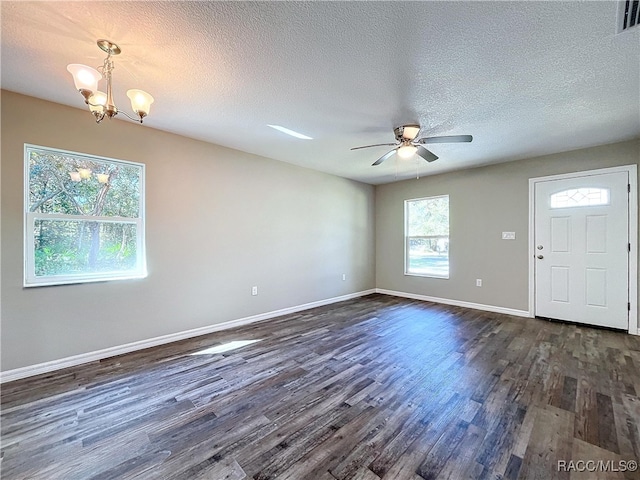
[[524, 78]]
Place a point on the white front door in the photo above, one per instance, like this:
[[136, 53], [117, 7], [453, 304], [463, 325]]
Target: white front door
[[581, 238]]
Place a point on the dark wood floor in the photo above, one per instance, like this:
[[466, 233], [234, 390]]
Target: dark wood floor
[[372, 388]]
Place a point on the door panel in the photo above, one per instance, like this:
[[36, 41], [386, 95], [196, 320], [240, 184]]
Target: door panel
[[559, 284], [596, 234], [581, 238], [596, 288], [560, 234]]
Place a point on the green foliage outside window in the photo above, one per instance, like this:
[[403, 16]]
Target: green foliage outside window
[[85, 214], [428, 216], [65, 247]]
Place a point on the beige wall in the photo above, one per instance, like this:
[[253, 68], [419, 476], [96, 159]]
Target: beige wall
[[483, 203], [218, 222]]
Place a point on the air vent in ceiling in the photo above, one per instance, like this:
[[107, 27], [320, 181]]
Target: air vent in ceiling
[[629, 14]]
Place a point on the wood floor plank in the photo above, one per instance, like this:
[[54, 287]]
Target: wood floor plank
[[364, 474], [583, 451], [281, 449], [331, 450], [586, 423], [461, 461], [496, 450], [370, 447], [551, 440], [513, 468], [219, 469], [442, 450], [410, 460], [372, 388]]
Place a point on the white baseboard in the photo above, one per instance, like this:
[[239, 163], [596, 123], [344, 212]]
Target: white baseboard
[[457, 303], [46, 367]]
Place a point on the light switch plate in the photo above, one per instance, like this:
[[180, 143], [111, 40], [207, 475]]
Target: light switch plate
[[508, 235]]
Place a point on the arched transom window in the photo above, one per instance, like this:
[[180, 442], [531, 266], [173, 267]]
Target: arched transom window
[[580, 197]]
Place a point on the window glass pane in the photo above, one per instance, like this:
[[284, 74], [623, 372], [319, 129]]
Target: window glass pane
[[427, 237], [71, 247], [428, 216], [580, 197], [74, 184], [84, 218], [429, 256]]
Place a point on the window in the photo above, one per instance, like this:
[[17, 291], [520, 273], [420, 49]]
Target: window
[[84, 218], [427, 236], [580, 197]]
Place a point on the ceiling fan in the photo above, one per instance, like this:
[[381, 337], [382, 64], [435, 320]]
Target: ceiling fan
[[406, 144]]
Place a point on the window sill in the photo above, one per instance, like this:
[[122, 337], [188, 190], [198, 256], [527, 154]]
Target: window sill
[[78, 281], [426, 275]]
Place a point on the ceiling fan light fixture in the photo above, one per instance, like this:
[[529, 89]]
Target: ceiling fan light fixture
[[407, 145], [406, 151], [410, 131]]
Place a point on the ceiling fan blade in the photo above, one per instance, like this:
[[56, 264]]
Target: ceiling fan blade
[[446, 139], [426, 154], [376, 145], [384, 157]]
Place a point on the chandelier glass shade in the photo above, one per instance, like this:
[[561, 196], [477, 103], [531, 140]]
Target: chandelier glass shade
[[101, 104]]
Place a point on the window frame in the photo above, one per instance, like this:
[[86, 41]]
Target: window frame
[[30, 279], [407, 238]]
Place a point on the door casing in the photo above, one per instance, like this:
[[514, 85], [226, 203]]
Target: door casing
[[633, 236]]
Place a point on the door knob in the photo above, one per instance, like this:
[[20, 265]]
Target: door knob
[[540, 257]]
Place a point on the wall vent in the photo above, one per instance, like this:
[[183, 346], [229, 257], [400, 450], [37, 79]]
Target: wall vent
[[628, 14]]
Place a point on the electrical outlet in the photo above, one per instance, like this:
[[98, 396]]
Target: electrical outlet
[[478, 282], [254, 290], [344, 276]]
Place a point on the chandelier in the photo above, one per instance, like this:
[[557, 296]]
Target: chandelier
[[101, 104]]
